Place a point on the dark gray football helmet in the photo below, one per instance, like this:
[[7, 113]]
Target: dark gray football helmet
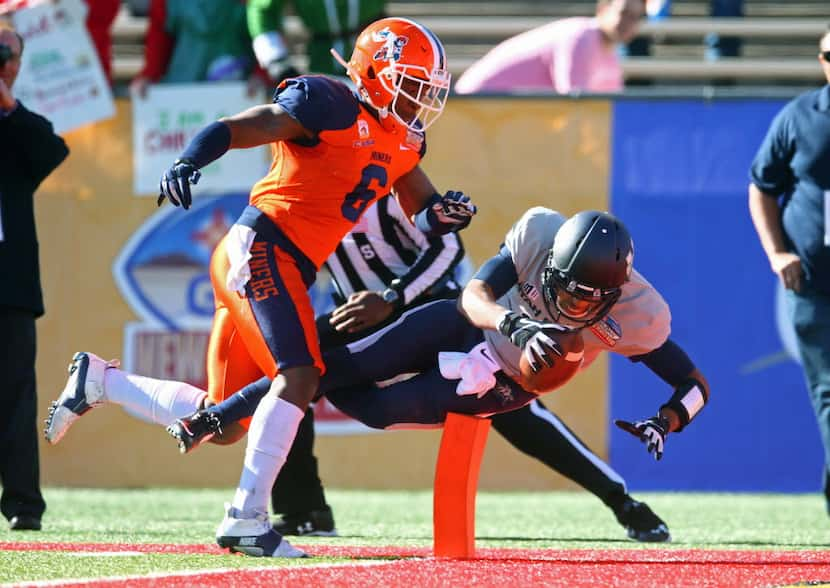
[[587, 266]]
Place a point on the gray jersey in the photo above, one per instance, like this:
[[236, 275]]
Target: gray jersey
[[639, 322]]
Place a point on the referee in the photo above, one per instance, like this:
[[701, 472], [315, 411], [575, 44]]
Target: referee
[[383, 267]]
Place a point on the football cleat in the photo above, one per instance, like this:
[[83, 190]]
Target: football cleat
[[641, 523], [315, 523], [253, 536], [192, 431], [84, 391]]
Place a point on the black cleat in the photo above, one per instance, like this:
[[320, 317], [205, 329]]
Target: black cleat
[[315, 523], [641, 523], [192, 431], [24, 523]]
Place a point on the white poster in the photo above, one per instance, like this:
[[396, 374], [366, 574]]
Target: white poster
[[61, 77], [170, 115]]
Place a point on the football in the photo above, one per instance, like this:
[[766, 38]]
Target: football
[[562, 370]]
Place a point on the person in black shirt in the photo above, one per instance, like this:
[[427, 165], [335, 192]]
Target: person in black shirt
[[31, 151]]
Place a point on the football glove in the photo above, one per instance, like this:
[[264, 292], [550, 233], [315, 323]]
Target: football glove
[[175, 183], [651, 431], [454, 209], [534, 338]]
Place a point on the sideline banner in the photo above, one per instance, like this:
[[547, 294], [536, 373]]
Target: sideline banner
[[61, 77], [170, 115]]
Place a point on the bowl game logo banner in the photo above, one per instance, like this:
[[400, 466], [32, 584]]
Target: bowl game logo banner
[[170, 115], [61, 76], [162, 272]]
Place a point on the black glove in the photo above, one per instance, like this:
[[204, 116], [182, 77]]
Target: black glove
[[533, 338], [652, 432], [281, 69], [175, 183], [455, 209]]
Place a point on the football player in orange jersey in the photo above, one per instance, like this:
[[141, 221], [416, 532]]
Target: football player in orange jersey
[[334, 154]]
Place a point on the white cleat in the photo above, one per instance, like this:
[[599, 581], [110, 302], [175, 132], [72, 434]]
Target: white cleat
[[84, 391], [253, 536]]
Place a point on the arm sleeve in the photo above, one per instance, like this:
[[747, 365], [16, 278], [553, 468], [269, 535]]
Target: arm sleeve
[[499, 273], [771, 170], [42, 150], [158, 44], [669, 362], [264, 16], [318, 103]]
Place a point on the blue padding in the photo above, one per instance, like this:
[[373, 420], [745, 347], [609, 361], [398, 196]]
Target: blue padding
[[679, 181]]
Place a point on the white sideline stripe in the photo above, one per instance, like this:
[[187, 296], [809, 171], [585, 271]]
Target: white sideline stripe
[[548, 416], [199, 573]]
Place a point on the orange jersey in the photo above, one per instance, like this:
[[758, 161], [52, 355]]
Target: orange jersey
[[316, 191]]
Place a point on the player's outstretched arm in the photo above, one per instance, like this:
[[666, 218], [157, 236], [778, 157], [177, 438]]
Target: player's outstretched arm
[[690, 395], [256, 126]]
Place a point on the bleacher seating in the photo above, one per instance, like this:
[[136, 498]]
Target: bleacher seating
[[780, 38]]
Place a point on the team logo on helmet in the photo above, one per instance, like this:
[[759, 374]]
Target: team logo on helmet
[[392, 45]]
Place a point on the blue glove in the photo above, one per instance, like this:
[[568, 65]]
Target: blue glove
[[652, 431], [175, 183]]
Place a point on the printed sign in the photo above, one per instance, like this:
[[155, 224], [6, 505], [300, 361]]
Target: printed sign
[[162, 272], [61, 76], [170, 115]]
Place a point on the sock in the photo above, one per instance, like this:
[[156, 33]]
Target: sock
[[158, 402], [272, 432], [242, 404]]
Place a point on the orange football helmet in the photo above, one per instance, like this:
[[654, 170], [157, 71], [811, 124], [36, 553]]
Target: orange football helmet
[[400, 68]]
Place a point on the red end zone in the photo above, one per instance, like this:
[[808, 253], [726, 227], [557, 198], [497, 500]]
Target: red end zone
[[372, 566]]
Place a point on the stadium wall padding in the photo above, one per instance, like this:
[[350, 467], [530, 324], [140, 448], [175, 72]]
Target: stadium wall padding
[[674, 170]]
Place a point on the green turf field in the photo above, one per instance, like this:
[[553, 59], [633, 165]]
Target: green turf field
[[556, 520]]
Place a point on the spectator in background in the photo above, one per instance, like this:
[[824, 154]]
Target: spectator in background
[[31, 151], [716, 46], [570, 55], [789, 201], [99, 21], [195, 41], [330, 25]]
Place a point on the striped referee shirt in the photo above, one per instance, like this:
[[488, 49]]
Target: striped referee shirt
[[384, 246]]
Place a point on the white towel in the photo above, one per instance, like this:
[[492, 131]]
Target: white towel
[[238, 247], [475, 368]]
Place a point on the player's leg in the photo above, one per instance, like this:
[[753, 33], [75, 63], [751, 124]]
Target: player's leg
[[276, 322], [424, 401], [94, 381], [539, 433], [298, 492], [410, 344]]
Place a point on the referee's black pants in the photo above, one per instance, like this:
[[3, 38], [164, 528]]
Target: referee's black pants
[[19, 462]]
